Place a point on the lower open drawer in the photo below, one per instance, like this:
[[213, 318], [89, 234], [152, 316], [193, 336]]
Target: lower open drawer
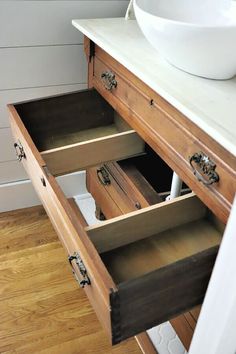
[[160, 259], [139, 269]]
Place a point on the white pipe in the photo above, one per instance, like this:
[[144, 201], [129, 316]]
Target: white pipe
[[176, 187]]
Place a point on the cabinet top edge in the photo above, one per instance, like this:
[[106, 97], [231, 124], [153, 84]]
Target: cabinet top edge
[[210, 104]]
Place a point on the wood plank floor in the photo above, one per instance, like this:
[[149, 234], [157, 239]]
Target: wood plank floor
[[41, 307]]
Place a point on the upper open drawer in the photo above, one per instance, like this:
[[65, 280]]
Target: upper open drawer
[[77, 130]]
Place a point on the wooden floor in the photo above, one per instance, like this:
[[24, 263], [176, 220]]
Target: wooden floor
[[41, 307]]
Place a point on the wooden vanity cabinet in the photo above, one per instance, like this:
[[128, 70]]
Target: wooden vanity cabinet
[[130, 262], [185, 147]]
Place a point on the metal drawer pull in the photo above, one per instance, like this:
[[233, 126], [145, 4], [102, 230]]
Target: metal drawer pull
[[207, 168], [20, 154], [103, 176], [85, 279], [109, 80]]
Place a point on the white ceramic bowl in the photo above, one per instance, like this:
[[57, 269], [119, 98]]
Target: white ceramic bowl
[[200, 42]]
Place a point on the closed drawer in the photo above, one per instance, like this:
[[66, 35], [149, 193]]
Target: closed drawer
[[129, 184], [159, 257], [211, 173]]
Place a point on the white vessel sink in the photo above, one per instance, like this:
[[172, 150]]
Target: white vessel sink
[[198, 39]]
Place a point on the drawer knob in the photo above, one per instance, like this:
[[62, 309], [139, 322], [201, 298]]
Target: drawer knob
[[20, 154], [83, 272], [109, 80], [103, 176], [205, 168]]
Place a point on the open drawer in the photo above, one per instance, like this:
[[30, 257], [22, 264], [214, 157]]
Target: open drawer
[[139, 269], [160, 259], [77, 130]]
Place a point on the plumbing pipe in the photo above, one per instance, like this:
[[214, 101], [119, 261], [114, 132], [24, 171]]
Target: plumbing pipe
[[176, 187]]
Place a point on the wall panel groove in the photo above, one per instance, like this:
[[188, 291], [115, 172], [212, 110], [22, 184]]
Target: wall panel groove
[[41, 54], [42, 66], [50, 21]]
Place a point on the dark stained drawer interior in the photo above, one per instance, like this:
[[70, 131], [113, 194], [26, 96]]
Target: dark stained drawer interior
[[68, 129], [160, 257], [132, 263]]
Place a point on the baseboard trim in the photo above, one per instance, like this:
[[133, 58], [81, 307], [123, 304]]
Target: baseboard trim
[[21, 194]]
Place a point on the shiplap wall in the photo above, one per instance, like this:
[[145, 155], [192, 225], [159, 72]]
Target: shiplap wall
[[41, 54]]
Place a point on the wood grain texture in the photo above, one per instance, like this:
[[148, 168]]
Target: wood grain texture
[[42, 309], [72, 127], [141, 224], [19, 95], [115, 202], [50, 120], [82, 155], [142, 339], [164, 292], [145, 343], [174, 137], [160, 250]]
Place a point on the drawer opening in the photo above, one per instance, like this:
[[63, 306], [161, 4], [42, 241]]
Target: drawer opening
[[78, 130], [149, 167], [155, 237], [149, 173], [130, 184]]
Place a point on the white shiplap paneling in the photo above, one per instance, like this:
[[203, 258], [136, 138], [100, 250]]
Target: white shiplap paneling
[[42, 66], [31, 23], [7, 152], [21, 194], [12, 171], [39, 51], [14, 96]]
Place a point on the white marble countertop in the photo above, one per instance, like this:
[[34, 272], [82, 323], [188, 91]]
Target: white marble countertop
[[210, 104]]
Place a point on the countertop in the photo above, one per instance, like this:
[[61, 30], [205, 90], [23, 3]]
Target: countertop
[[211, 104]]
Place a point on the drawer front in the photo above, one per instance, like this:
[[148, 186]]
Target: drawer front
[[170, 134], [119, 195], [70, 231], [110, 198]]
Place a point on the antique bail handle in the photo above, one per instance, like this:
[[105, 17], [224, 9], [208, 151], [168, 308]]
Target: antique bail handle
[[20, 154], [85, 279], [207, 168], [103, 176], [109, 80]]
